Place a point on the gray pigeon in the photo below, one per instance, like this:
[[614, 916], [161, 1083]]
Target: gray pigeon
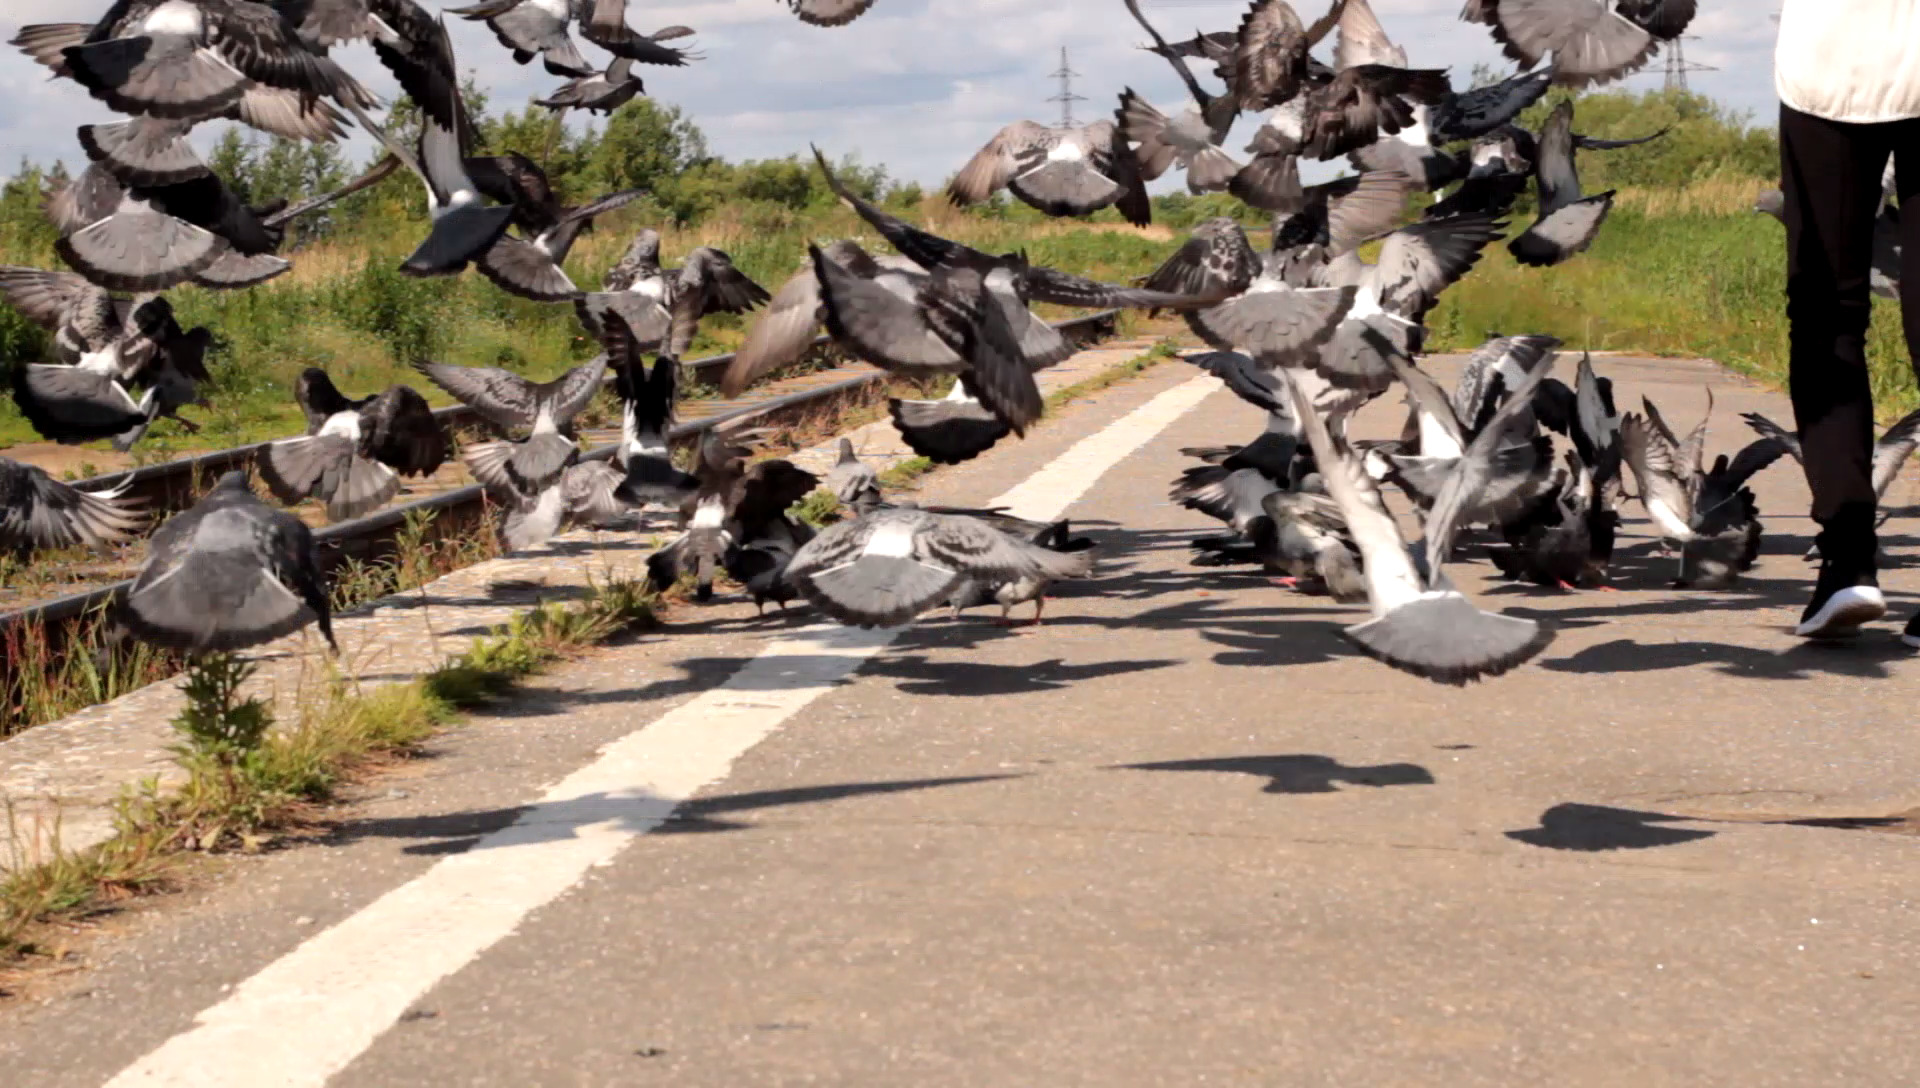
[[83, 402], [1007, 592], [829, 12], [852, 480], [528, 264], [230, 573], [1496, 368], [884, 568], [765, 536], [507, 400], [355, 451], [1263, 315], [196, 60], [85, 318], [586, 493], [1394, 293], [784, 331], [1311, 545], [647, 400], [1591, 41], [664, 306], [604, 23], [737, 509], [530, 28], [1568, 221], [969, 317], [597, 92], [464, 226], [1709, 511], [1518, 464], [950, 430], [1062, 171], [1421, 624]]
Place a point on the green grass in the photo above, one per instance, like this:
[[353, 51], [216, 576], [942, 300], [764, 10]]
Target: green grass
[[1690, 283]]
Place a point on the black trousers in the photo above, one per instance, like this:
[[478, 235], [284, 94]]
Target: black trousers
[[1830, 173]]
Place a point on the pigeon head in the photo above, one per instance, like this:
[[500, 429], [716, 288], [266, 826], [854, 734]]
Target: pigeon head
[[233, 481], [646, 245]]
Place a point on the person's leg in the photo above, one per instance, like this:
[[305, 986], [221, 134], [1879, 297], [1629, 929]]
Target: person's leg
[[1830, 176], [1906, 164]]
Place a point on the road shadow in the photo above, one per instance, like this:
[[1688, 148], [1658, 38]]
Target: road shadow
[[639, 813], [1865, 658], [920, 674], [1574, 826], [1298, 773]]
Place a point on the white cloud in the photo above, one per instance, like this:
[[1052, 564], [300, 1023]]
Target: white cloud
[[916, 84]]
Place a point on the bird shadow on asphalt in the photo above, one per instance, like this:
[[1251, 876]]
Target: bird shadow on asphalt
[[697, 674], [458, 832], [1575, 826], [1298, 773], [498, 593], [1866, 658], [921, 674]]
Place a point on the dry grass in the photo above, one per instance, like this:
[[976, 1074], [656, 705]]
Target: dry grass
[[1720, 195]]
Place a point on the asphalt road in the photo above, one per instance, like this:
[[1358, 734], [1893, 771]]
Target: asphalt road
[[1180, 834]]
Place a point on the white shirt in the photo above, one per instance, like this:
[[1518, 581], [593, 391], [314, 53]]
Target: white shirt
[[1850, 60]]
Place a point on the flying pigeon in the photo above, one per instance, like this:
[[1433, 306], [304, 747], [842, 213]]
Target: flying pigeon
[[227, 574], [355, 451]]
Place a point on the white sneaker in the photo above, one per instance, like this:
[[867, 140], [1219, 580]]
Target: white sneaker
[[1843, 614]]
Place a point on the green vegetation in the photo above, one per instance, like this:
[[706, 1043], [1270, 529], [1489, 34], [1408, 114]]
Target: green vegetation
[[48, 683], [819, 509], [1682, 277], [247, 781]]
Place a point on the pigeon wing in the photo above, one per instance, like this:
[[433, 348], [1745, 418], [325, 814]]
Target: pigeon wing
[[721, 287], [1893, 449], [501, 396], [780, 335], [926, 250], [1013, 150]]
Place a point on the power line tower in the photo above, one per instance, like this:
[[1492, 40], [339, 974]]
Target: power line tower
[[1066, 97], [1678, 66]]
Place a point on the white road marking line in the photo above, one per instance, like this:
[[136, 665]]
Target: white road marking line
[[307, 1015]]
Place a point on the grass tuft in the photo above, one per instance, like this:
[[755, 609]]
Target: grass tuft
[[906, 472], [819, 509]]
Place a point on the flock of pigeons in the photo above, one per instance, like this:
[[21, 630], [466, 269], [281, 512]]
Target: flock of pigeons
[[1308, 331]]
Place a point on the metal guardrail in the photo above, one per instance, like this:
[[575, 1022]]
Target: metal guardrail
[[384, 522]]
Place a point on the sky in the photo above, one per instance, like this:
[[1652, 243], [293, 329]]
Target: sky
[[917, 85]]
